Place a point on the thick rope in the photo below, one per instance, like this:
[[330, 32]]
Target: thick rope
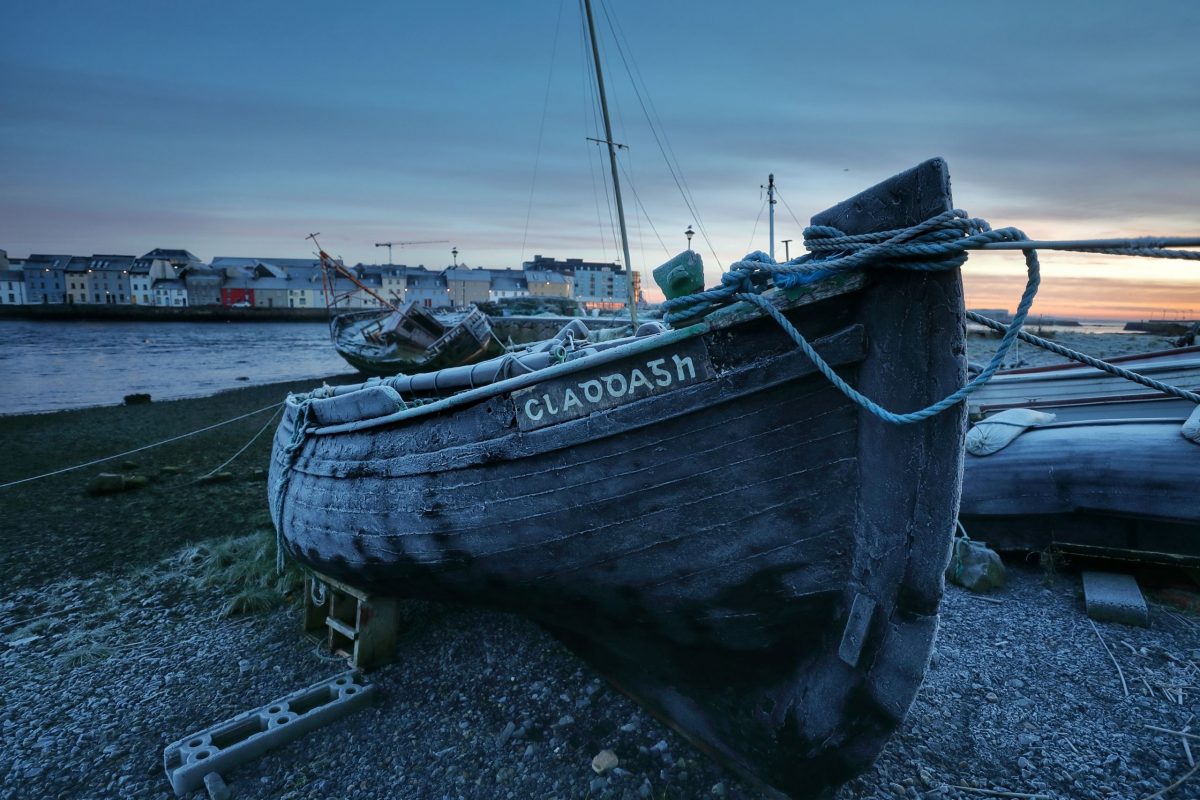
[[1084, 358], [939, 243]]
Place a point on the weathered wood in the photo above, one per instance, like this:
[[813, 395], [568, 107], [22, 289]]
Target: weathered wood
[[752, 521], [1123, 486]]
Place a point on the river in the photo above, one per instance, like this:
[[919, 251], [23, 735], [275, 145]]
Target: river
[[49, 366]]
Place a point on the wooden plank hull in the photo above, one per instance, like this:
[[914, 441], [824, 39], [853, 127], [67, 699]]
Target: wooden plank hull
[[746, 552], [460, 346], [1077, 391], [1122, 487]]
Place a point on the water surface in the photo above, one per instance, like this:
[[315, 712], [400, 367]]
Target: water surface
[[54, 365]]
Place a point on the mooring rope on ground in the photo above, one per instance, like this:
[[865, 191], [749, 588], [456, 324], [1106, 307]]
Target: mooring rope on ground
[[94, 462], [939, 243]]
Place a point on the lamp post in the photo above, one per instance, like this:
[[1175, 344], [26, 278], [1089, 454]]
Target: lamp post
[[787, 251], [689, 233]]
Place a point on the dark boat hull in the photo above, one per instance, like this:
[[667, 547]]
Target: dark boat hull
[[1122, 488], [746, 552], [461, 346]]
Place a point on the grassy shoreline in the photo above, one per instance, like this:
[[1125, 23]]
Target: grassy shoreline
[[52, 528]]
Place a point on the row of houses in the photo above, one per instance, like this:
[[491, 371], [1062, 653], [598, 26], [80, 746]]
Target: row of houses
[[177, 278]]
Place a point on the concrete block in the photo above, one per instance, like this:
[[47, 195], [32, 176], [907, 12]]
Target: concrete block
[[1113, 597], [217, 790], [250, 734]]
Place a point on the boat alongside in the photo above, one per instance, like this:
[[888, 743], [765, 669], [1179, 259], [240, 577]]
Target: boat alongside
[[412, 339], [1078, 391], [1105, 466], [1123, 487], [401, 340], [697, 512]]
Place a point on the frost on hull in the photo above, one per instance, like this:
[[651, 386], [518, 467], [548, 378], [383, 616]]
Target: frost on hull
[[708, 521]]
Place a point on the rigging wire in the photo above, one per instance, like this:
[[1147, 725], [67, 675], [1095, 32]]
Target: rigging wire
[[789, 208], [139, 449], [754, 232], [666, 150], [241, 450], [542, 127], [641, 206]]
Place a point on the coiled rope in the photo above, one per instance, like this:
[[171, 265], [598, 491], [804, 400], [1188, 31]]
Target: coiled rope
[[939, 243]]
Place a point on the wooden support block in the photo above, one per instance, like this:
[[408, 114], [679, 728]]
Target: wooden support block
[[352, 622]]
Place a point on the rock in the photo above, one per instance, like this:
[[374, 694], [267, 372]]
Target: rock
[[604, 761], [171, 470], [565, 719], [974, 566], [137, 399], [106, 483], [129, 465], [506, 734], [718, 789], [216, 477], [136, 481]]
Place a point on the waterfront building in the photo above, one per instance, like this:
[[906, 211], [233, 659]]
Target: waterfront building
[[393, 283], [468, 286], [604, 288], [78, 277], [12, 286], [108, 279], [545, 283], [508, 283], [141, 285], [176, 258], [270, 292], [426, 288], [598, 285], [203, 284], [170, 293], [45, 278]]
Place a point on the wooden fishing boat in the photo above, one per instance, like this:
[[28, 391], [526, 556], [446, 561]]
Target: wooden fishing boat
[[1124, 487], [400, 340], [412, 339], [1079, 392], [697, 512]]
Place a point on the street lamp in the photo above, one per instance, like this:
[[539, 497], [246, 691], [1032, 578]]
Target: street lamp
[[787, 251], [689, 233]]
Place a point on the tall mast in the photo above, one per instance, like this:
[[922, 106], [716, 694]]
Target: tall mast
[[612, 158], [771, 202]]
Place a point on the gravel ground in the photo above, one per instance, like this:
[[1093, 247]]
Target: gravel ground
[[982, 346], [1021, 698]]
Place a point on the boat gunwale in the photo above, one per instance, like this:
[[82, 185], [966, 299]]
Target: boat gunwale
[[723, 318]]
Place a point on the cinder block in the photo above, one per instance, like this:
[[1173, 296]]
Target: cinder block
[[250, 734], [1113, 597]]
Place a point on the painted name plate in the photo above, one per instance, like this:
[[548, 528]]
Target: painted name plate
[[611, 385]]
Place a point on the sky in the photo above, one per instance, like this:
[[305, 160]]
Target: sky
[[236, 129]]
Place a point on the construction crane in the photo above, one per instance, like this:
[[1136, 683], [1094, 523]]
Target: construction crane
[[389, 245]]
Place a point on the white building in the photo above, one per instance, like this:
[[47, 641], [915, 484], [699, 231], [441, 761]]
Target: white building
[[12, 287]]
